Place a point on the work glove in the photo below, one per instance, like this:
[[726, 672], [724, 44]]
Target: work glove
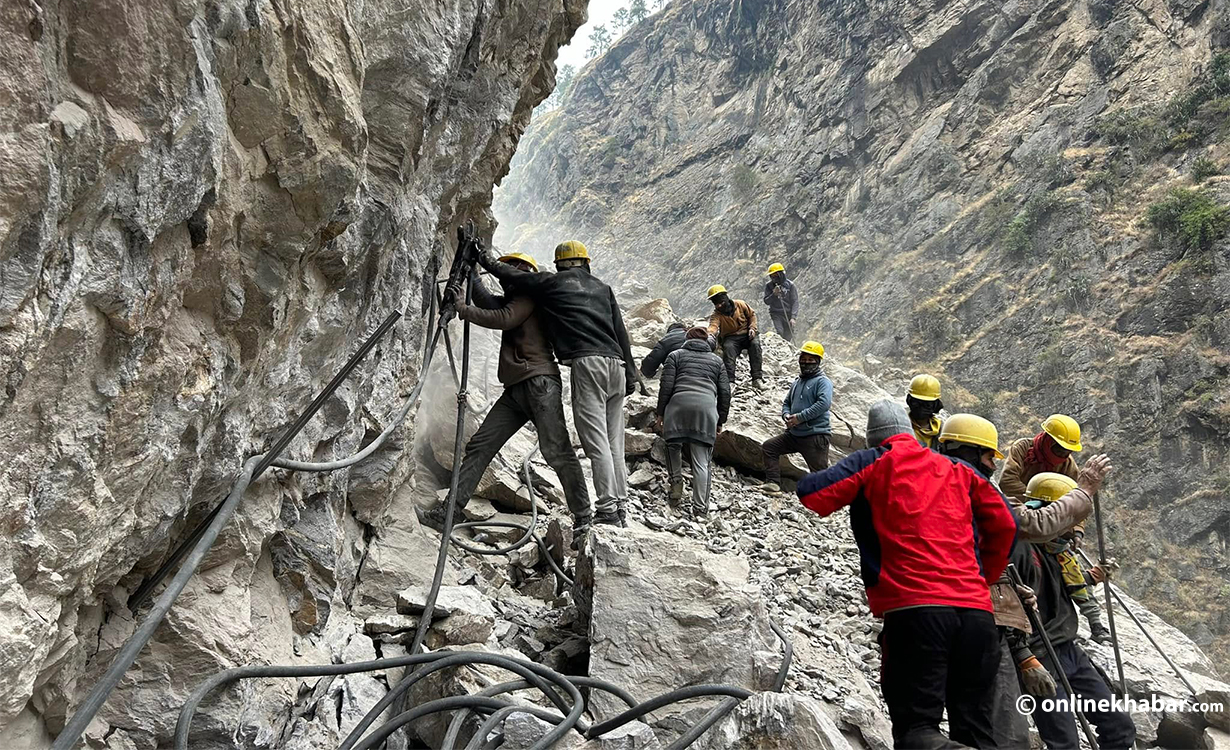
[[1099, 633], [1098, 573], [1038, 682], [487, 258], [1077, 537], [1028, 597], [1093, 473]]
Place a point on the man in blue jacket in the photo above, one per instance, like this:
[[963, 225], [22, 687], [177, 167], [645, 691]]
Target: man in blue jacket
[[805, 411]]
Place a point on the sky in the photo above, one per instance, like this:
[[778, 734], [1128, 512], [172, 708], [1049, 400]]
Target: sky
[[600, 12]]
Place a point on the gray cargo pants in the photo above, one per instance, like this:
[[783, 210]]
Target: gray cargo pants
[[539, 400], [1008, 724], [598, 392], [700, 456]]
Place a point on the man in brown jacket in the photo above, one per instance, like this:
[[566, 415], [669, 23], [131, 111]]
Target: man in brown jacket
[[1052, 449], [533, 392], [733, 327]]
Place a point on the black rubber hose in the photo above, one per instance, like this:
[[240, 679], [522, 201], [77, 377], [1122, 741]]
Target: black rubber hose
[[433, 661], [674, 696], [787, 657], [460, 658], [529, 670], [252, 469], [716, 714], [454, 729]]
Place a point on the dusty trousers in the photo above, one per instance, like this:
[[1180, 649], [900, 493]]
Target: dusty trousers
[[598, 392], [1011, 728], [700, 456], [736, 343], [937, 657], [539, 400], [782, 324], [813, 448]]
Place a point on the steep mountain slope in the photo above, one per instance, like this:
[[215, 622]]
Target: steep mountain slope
[[961, 186], [204, 207]]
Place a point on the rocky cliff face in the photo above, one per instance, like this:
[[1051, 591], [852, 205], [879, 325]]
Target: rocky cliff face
[[204, 207], [963, 187]]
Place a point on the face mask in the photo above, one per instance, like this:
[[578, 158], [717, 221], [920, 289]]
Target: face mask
[[809, 368]]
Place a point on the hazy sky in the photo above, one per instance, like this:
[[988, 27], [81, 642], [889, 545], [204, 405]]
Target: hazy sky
[[599, 13]]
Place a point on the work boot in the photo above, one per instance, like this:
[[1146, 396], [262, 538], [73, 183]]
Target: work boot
[[759, 384], [434, 517], [771, 488], [1099, 633], [676, 493], [623, 516], [607, 518]]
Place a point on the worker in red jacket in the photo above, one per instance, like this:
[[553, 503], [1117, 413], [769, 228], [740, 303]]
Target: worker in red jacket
[[933, 534]]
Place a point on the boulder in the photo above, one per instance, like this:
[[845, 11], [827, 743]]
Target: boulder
[[450, 600], [663, 612], [521, 731], [775, 721], [1216, 739], [657, 310], [637, 443], [631, 736], [398, 555], [740, 443], [1216, 698]]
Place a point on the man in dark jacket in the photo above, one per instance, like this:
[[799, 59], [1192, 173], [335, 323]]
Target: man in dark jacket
[[586, 328], [1042, 571], [533, 392], [805, 411], [932, 534], [693, 403], [676, 333], [782, 297]]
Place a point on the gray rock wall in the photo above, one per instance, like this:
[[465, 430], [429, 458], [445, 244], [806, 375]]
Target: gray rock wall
[[945, 183], [204, 206]]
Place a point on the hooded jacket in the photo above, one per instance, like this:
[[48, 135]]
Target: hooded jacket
[[525, 351], [739, 322], [676, 334], [785, 306], [931, 531], [810, 396]]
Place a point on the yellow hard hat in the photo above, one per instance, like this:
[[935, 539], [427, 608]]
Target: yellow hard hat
[[1064, 430], [925, 388], [569, 250], [971, 429], [1049, 486], [775, 268], [812, 347], [715, 290], [521, 257]]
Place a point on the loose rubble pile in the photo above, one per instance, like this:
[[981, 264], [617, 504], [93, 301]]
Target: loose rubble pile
[[670, 601]]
